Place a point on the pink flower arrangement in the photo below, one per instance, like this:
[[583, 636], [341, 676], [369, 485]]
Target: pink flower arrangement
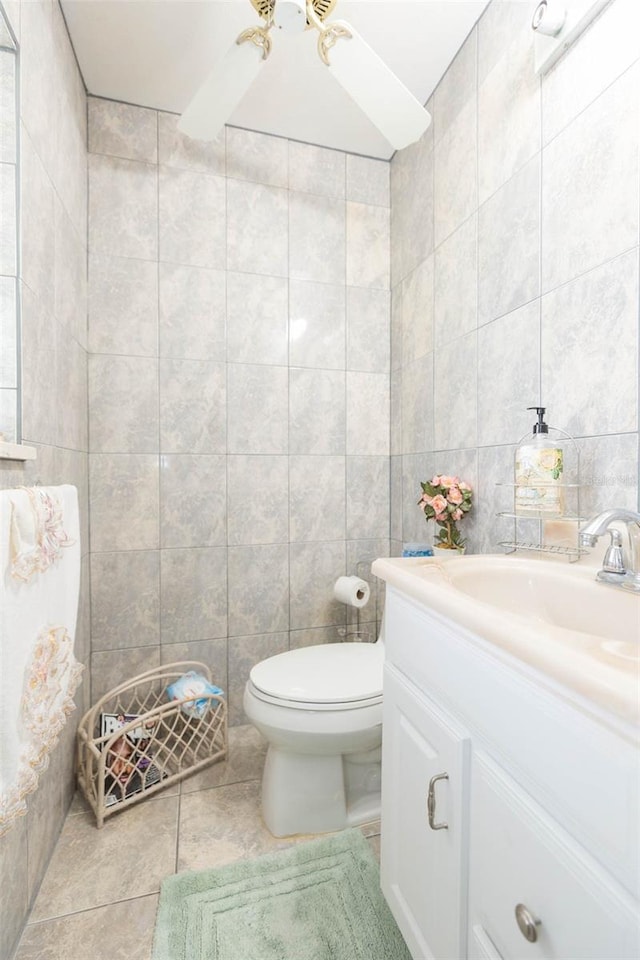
[[446, 500]]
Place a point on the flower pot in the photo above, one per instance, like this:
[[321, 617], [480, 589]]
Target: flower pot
[[445, 553]]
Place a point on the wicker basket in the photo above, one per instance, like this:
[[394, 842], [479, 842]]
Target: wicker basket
[[134, 742]]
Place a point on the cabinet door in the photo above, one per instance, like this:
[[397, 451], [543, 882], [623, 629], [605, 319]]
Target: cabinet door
[[520, 856], [422, 865]]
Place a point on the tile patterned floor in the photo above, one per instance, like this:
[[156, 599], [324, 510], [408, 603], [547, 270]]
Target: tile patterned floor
[[99, 896]]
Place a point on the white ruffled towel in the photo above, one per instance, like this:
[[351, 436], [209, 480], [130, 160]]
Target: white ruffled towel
[[39, 592]]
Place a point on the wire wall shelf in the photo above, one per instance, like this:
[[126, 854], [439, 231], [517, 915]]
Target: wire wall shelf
[[552, 532], [573, 552]]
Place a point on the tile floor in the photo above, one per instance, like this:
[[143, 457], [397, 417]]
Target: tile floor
[[98, 898]]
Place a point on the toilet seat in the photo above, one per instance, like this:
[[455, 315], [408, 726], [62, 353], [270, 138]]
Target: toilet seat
[[311, 705], [323, 677]]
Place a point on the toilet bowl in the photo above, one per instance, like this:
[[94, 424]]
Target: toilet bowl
[[320, 710]]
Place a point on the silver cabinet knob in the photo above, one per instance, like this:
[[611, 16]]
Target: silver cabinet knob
[[527, 923]]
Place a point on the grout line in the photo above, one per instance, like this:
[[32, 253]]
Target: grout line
[[98, 906], [391, 381], [477, 216], [159, 456], [88, 275], [227, 458], [430, 454], [540, 242], [289, 369], [178, 821], [346, 370]]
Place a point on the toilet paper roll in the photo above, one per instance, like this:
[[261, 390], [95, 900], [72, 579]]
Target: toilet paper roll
[[351, 590]]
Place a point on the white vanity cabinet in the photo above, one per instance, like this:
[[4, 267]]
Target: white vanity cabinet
[[521, 859], [425, 757], [540, 855]]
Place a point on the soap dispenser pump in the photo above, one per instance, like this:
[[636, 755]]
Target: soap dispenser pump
[[538, 471]]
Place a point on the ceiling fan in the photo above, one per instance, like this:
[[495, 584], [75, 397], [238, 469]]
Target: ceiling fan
[[390, 106]]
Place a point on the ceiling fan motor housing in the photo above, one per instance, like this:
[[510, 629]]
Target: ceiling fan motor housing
[[287, 14], [291, 16]]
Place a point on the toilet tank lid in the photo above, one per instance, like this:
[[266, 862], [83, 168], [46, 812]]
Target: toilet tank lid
[[326, 673]]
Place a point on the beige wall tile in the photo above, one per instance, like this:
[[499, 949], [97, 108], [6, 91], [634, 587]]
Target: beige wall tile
[[193, 595], [257, 500], [123, 306], [590, 187], [316, 170], [316, 325], [367, 246], [122, 130], [193, 409], [124, 501], [192, 311], [258, 589], [317, 238], [368, 180], [257, 318], [193, 501], [191, 218], [125, 599], [257, 228], [123, 207], [257, 157], [123, 404]]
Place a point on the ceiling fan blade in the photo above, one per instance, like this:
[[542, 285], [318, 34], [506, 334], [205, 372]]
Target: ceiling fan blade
[[390, 106], [222, 91]]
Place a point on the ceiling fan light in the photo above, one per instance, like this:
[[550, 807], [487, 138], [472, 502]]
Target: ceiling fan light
[[390, 106]]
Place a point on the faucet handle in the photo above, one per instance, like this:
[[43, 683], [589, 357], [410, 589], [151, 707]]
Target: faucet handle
[[613, 559]]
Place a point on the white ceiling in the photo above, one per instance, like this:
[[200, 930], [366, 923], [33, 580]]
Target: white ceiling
[[156, 53]]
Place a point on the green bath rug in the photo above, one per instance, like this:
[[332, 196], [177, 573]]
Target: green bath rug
[[319, 900]]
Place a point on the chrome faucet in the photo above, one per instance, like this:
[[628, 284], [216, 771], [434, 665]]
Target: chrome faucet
[[619, 567]]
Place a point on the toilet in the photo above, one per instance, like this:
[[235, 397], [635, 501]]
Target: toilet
[[320, 710]]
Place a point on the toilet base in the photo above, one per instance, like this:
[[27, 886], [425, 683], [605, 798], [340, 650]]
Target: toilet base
[[304, 793]]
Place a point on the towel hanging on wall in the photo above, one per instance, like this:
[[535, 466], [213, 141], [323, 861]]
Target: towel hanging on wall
[[39, 592]]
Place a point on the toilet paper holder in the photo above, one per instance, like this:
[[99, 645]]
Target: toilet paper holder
[[367, 631]]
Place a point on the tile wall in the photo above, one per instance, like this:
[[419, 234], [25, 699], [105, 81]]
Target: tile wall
[[238, 370], [238, 392], [514, 239], [9, 259], [54, 363]]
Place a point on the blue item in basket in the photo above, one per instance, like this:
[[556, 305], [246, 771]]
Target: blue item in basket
[[416, 550], [194, 685]]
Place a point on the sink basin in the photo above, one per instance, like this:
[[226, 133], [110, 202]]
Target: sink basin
[[552, 615], [551, 593]]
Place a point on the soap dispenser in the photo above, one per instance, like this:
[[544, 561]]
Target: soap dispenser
[[538, 472]]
